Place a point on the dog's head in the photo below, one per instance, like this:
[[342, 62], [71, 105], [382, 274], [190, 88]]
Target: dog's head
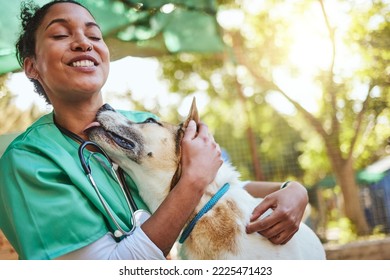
[[147, 150]]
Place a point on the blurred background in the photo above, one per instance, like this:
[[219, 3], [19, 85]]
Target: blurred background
[[292, 90]]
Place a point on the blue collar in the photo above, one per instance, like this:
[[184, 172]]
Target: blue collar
[[203, 211]]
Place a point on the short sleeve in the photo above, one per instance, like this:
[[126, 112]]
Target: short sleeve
[[42, 213]]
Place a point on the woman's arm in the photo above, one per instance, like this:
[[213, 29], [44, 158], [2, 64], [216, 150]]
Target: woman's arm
[[262, 189]]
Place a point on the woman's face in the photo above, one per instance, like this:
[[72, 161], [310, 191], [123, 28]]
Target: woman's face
[[71, 59]]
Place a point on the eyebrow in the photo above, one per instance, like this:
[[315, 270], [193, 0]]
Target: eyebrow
[[62, 20]]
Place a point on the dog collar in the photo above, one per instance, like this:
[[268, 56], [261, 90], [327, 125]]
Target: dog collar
[[210, 204]]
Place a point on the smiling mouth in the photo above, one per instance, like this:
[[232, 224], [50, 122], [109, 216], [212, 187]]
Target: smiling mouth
[[82, 63]]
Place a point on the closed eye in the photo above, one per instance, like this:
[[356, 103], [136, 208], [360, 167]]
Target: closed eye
[[151, 120], [94, 36], [60, 36]]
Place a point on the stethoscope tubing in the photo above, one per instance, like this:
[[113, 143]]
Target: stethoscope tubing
[[87, 169]]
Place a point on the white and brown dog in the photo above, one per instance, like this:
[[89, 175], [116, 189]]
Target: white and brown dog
[[150, 153]]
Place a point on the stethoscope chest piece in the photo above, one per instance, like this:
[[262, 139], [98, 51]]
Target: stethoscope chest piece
[[138, 217]]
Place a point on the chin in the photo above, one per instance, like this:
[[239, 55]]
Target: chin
[[90, 86]]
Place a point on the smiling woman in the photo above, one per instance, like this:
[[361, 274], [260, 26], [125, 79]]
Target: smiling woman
[[62, 51], [63, 47], [46, 194]]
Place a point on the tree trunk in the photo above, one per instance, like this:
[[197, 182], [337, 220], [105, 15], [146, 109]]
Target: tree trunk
[[254, 154], [345, 177], [256, 162]]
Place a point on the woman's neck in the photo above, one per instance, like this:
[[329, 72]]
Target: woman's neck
[[76, 117]]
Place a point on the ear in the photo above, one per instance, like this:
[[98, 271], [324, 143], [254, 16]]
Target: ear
[[192, 115], [29, 68]]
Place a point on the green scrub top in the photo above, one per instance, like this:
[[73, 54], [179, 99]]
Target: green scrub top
[[48, 207]]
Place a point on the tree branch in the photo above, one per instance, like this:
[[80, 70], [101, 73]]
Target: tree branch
[[331, 87], [359, 120]]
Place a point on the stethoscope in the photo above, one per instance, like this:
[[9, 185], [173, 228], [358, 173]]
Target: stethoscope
[[138, 216]]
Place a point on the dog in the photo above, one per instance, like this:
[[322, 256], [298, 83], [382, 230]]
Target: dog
[[150, 153]]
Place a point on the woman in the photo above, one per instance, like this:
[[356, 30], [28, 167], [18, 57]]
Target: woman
[[48, 207]]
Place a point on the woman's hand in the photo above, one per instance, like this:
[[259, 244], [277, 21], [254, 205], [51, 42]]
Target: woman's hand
[[288, 207], [201, 155]]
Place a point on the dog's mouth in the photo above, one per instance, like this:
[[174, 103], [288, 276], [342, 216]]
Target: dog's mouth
[[122, 142]]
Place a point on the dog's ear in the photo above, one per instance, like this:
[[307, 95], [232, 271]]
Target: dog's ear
[[192, 115]]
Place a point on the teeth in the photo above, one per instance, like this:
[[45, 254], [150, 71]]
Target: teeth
[[83, 63]]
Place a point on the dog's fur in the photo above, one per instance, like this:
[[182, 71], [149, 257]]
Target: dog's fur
[[150, 153]]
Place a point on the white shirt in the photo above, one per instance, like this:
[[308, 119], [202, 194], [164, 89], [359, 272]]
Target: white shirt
[[136, 246]]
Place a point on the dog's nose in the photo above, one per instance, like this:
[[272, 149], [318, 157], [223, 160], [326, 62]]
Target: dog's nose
[[106, 107]]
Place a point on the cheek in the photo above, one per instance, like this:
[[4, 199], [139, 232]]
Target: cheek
[[105, 61], [47, 57], [163, 153], [103, 52], [106, 70]]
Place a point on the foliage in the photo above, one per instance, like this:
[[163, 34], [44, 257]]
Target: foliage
[[342, 69], [345, 229], [369, 36], [307, 82], [211, 76], [266, 37]]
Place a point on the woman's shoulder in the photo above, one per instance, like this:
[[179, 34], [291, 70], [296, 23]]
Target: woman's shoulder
[[35, 135]]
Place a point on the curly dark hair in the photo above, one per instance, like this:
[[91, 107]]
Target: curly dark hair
[[31, 16]]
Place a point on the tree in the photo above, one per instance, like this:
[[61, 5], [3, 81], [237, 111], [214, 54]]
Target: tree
[[352, 101]]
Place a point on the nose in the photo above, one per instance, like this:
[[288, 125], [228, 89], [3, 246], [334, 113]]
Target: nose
[[81, 44], [106, 107]]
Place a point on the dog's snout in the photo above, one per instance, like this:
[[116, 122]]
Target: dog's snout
[[106, 107]]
